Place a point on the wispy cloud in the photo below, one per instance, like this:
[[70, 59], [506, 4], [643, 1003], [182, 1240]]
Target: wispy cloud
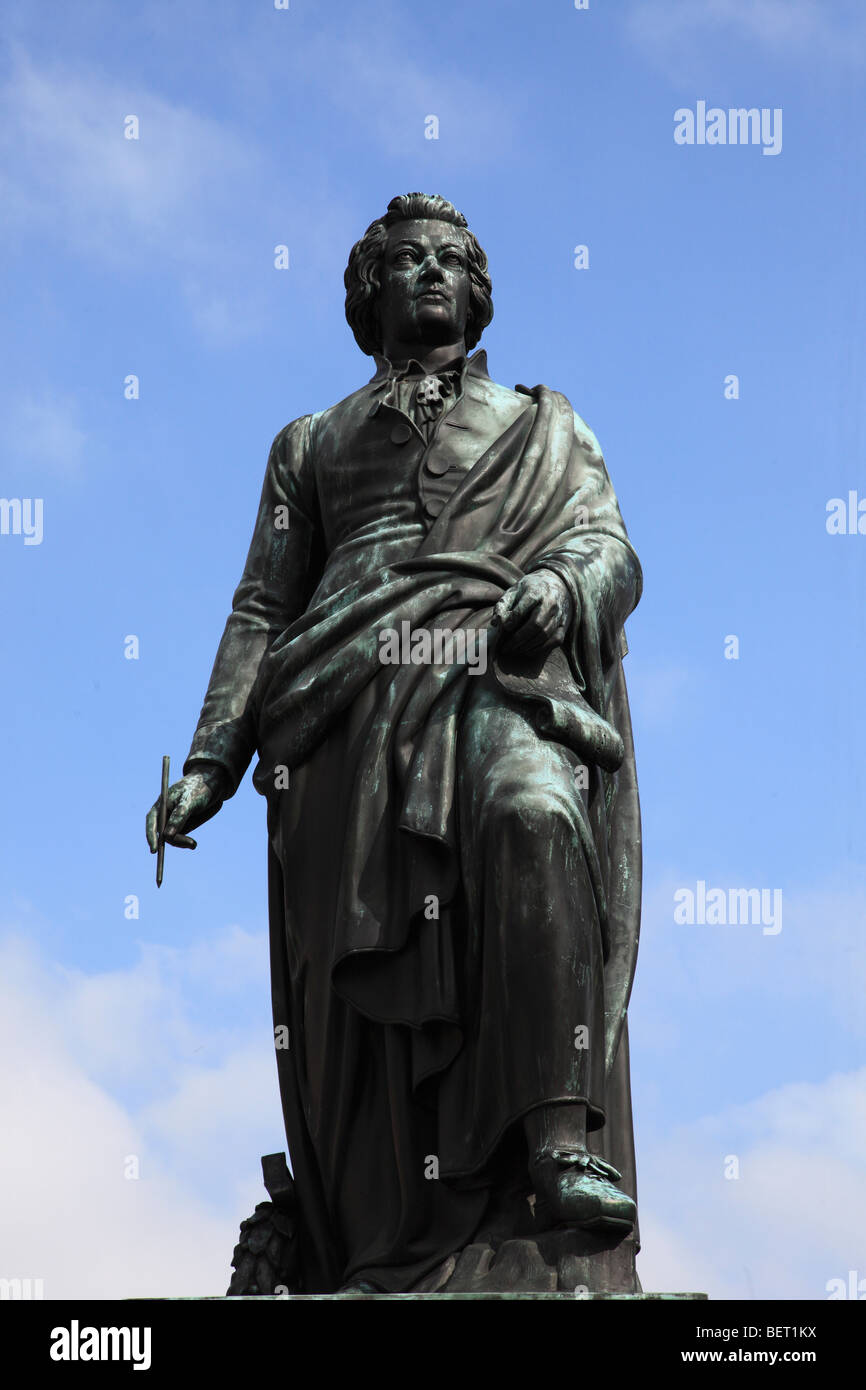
[[104, 1067], [676, 33], [203, 199], [40, 433], [389, 88], [165, 202], [759, 1232], [140, 1062], [816, 963]]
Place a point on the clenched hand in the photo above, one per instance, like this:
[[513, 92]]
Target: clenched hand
[[535, 613], [191, 802]]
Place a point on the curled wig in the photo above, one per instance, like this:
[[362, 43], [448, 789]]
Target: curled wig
[[362, 277]]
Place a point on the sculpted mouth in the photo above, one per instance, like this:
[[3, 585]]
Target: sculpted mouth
[[432, 294]]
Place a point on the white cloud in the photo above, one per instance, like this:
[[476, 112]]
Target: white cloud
[[817, 960], [68, 1214], [136, 1024], [69, 126], [165, 202], [389, 86], [201, 200], [146, 1061], [795, 1217]]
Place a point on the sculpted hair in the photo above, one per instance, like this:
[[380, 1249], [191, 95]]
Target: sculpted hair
[[362, 277]]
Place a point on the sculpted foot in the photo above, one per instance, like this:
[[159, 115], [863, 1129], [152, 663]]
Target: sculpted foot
[[578, 1189]]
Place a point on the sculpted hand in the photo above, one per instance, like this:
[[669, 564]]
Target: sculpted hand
[[535, 613], [191, 802]]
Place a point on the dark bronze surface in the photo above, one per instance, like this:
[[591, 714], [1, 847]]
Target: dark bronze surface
[[454, 847]]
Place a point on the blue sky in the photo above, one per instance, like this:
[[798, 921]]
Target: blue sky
[[155, 257]]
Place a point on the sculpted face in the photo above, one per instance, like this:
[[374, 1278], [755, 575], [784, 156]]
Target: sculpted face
[[424, 296]]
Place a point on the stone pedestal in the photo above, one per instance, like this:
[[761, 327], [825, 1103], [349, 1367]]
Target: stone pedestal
[[511, 1257], [565, 1261], [457, 1297]]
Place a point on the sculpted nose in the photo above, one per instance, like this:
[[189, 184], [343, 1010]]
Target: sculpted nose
[[431, 269]]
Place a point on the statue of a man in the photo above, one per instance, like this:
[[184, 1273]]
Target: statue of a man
[[454, 839]]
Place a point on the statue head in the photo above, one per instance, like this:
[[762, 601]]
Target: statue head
[[417, 277]]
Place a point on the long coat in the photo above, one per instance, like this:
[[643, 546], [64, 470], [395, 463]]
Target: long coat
[[362, 526]]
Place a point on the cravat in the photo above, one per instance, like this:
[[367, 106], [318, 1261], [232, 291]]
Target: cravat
[[424, 396]]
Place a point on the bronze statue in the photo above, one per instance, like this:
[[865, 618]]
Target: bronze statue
[[426, 649]]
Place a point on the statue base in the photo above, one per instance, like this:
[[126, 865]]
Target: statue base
[[459, 1297], [564, 1262]]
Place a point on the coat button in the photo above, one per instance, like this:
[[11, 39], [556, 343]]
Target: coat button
[[434, 505], [401, 433], [438, 464]]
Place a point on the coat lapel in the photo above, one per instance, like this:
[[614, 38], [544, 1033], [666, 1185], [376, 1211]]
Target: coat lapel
[[482, 414]]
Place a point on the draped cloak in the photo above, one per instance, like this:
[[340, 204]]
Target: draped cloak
[[299, 670]]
